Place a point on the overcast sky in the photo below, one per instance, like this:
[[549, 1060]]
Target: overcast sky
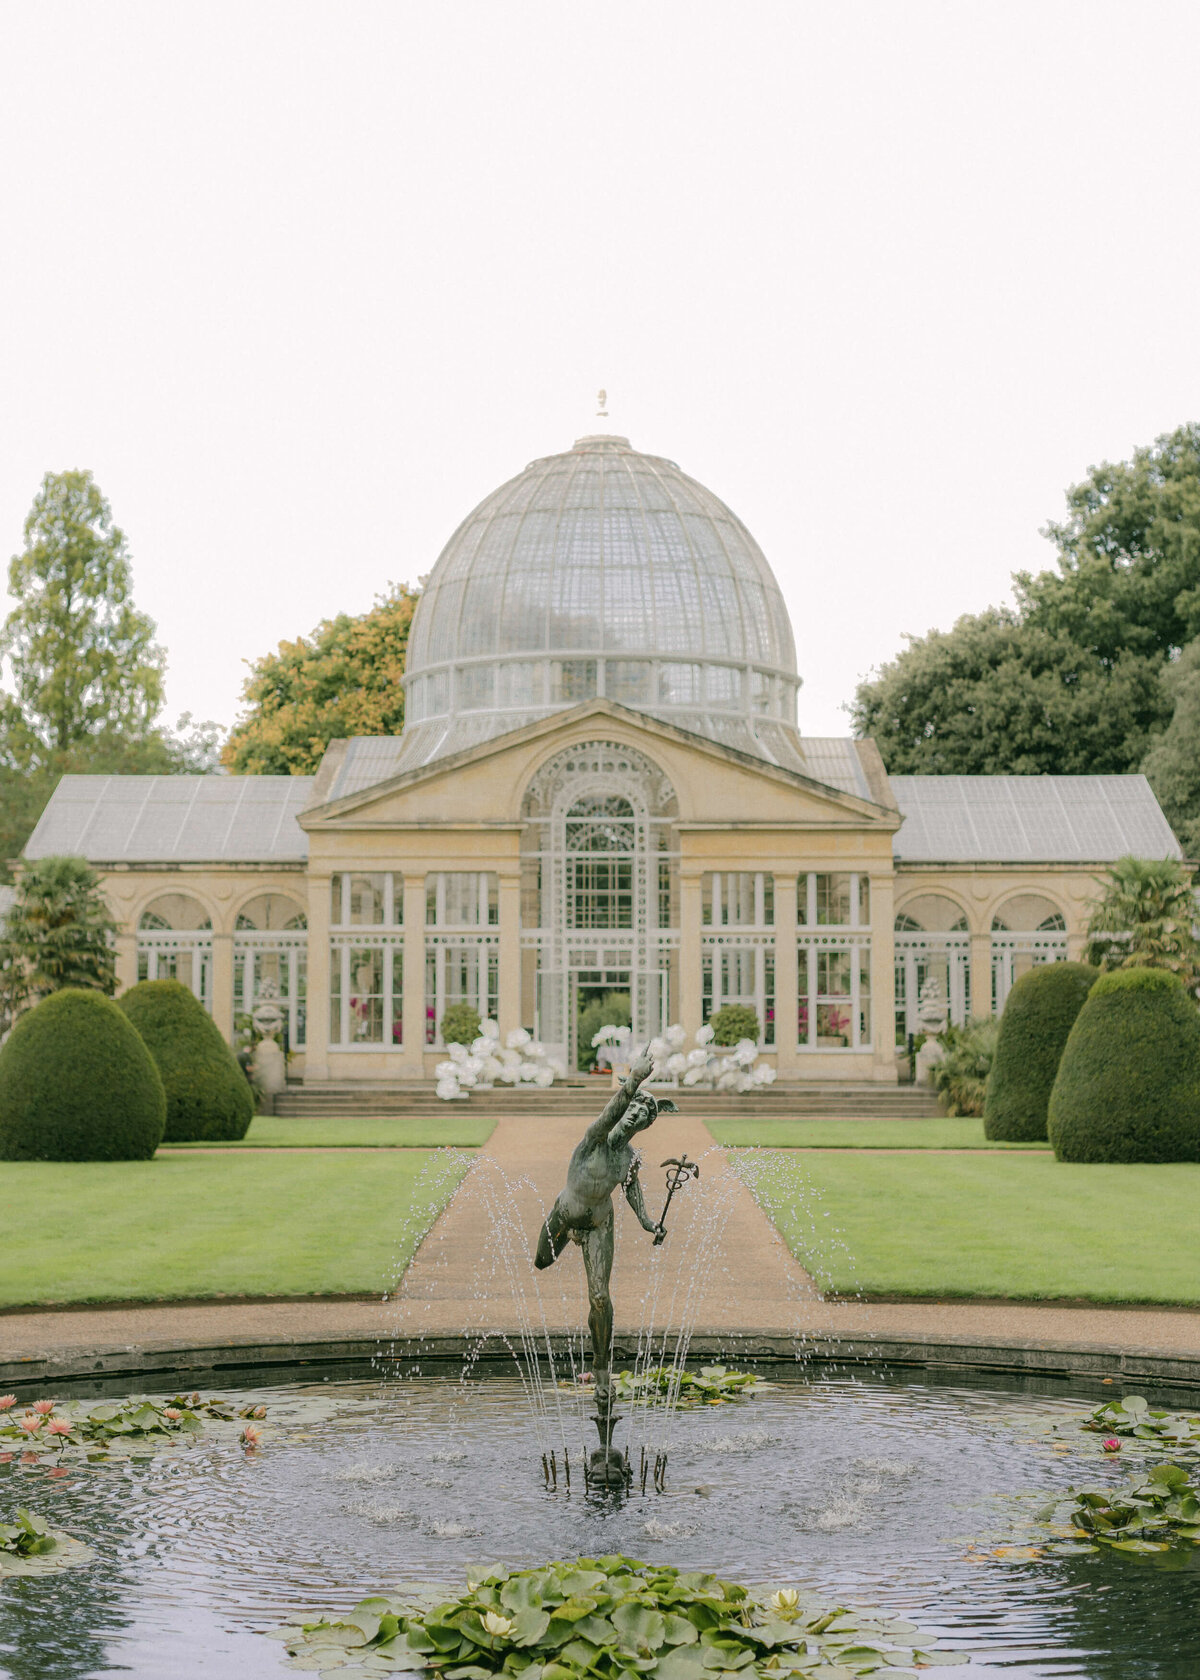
[[302, 282]]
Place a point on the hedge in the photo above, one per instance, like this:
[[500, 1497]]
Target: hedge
[[1037, 1020], [1128, 1085], [78, 1084], [733, 1023], [460, 1024], [208, 1097]]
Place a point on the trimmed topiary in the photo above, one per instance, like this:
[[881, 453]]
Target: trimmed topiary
[[733, 1023], [208, 1097], [78, 1084], [1037, 1020], [1128, 1085], [460, 1024]]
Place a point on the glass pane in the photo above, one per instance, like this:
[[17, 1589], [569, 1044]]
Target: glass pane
[[335, 994], [833, 900], [769, 900], [366, 900], [833, 973], [627, 680], [366, 996], [397, 1006], [335, 905], [573, 679], [475, 687], [768, 1021], [864, 901], [802, 900], [864, 970], [833, 1025], [397, 900]]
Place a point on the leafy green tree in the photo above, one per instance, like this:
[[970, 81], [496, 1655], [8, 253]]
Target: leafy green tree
[[1173, 761], [1145, 918], [1066, 681], [58, 932], [83, 659], [343, 679]]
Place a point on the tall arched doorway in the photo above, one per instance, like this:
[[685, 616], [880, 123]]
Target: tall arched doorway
[[599, 890]]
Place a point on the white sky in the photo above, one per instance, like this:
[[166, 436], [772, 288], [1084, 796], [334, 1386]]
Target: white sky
[[302, 282]]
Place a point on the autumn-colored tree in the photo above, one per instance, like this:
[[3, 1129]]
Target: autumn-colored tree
[[343, 679]]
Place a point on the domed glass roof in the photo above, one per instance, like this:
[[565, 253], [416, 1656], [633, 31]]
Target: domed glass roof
[[601, 571]]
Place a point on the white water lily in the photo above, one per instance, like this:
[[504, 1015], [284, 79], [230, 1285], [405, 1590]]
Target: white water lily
[[785, 1602], [498, 1626]]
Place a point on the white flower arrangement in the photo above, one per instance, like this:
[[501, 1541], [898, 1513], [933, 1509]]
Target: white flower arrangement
[[486, 1063]]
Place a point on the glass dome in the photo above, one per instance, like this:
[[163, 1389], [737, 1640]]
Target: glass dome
[[601, 571]]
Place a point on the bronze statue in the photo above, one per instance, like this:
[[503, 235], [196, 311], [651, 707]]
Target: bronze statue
[[603, 1160]]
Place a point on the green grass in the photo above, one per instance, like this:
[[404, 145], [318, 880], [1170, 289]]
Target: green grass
[[187, 1225], [378, 1131], [858, 1134], [992, 1224]]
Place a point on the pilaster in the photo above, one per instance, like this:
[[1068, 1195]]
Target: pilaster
[[412, 1063], [981, 973], [316, 1030], [222, 984], [510, 1012], [689, 952], [883, 977]]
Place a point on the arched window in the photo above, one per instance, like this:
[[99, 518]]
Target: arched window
[[600, 835]]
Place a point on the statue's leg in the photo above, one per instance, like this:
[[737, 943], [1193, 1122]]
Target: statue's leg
[[598, 1264], [551, 1239]]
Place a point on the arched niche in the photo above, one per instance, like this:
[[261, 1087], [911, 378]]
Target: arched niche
[[931, 913], [174, 912], [1029, 913], [271, 912]]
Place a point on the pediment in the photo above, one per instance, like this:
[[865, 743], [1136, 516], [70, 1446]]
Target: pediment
[[485, 784]]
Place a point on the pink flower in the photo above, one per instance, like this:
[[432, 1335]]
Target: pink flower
[[43, 1407], [173, 1413], [1111, 1444], [30, 1424], [251, 1436], [7, 1400], [58, 1426]]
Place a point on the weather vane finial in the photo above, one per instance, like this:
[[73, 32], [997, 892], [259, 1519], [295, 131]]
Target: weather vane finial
[[602, 405]]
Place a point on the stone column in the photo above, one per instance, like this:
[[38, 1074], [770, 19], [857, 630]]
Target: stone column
[[413, 1060], [981, 973], [787, 989], [883, 978], [126, 944], [222, 984], [689, 952], [316, 1032], [510, 1012]]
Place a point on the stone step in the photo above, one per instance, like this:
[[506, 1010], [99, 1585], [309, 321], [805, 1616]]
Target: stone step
[[418, 1101]]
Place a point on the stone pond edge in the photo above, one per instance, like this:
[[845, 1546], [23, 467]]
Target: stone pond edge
[[845, 1353]]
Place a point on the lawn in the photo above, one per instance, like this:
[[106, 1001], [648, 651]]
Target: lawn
[[189, 1225], [987, 1224], [379, 1131], [858, 1134]]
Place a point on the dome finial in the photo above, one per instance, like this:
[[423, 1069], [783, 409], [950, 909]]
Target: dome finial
[[602, 405]]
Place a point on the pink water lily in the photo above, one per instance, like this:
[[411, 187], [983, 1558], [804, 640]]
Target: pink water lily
[[43, 1407], [173, 1413], [7, 1400], [251, 1436], [58, 1426], [30, 1424], [1111, 1444]]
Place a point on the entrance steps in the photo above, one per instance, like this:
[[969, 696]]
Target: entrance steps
[[584, 1099]]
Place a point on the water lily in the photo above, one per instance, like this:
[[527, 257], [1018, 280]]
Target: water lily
[[173, 1413], [7, 1400], [43, 1407], [58, 1426], [1111, 1444], [498, 1626], [785, 1602], [30, 1423], [251, 1436]]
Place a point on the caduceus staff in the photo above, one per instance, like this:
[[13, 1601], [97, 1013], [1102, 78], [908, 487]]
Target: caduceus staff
[[681, 1171]]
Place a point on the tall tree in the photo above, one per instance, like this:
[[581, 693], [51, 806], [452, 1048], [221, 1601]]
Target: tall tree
[[58, 932], [1067, 680], [1145, 918], [83, 658], [1173, 761], [343, 679]]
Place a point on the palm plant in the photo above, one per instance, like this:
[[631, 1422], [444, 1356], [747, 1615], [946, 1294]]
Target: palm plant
[[1146, 918], [58, 933]]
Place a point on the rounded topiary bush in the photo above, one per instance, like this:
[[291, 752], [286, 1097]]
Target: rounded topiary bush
[[733, 1023], [208, 1097], [1037, 1020], [460, 1024], [78, 1084], [1128, 1085]]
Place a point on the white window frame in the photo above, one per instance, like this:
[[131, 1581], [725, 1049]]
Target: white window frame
[[340, 947]]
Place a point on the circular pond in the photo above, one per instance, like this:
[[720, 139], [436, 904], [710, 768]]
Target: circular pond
[[916, 1494]]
